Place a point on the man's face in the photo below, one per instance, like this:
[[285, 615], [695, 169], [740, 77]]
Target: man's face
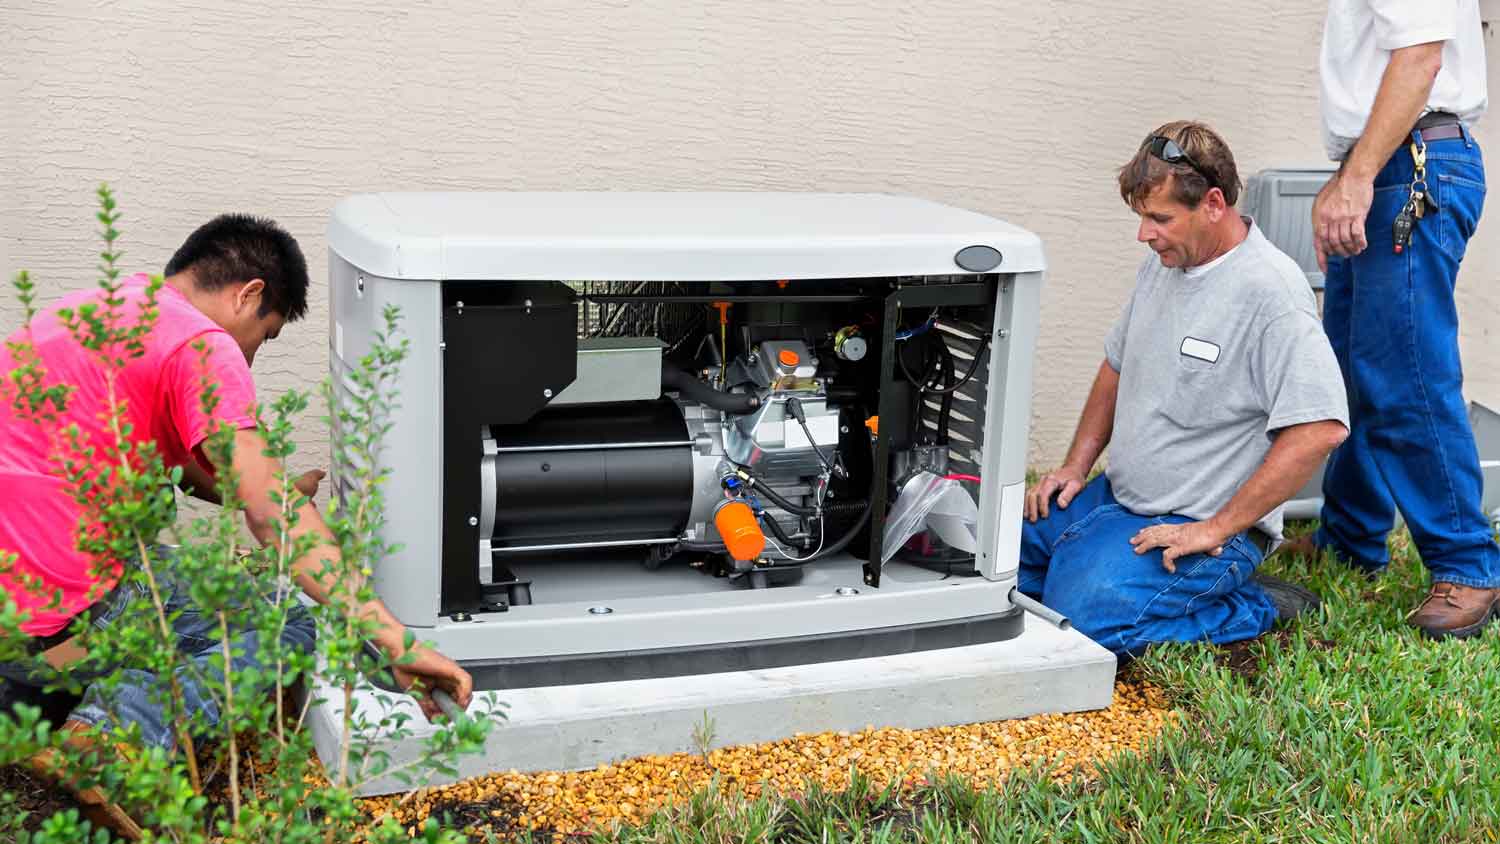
[[244, 322], [253, 333], [1174, 231]]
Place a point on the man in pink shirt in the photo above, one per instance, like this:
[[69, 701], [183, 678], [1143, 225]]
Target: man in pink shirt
[[232, 286]]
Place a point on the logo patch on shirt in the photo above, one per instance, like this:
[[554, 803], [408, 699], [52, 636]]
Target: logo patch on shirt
[[1201, 349]]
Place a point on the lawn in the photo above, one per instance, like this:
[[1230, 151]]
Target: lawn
[[1342, 727]]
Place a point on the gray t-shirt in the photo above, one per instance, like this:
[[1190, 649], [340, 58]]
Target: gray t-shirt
[[1211, 366]]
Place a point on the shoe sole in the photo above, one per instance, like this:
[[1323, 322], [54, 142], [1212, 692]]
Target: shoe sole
[[1312, 602], [1469, 632]]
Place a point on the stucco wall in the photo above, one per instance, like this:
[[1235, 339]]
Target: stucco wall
[[1018, 108]]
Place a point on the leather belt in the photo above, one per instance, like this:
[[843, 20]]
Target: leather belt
[[1259, 540], [1439, 126]]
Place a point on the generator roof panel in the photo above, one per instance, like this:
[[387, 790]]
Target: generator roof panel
[[669, 236]]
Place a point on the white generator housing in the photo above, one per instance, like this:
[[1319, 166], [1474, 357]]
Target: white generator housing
[[555, 481]]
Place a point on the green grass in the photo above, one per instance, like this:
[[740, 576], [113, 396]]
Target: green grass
[[1348, 727]]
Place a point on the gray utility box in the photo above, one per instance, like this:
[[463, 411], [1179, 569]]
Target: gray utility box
[[653, 435], [1280, 201]]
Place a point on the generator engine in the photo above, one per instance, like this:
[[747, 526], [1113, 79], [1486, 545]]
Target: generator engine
[[735, 459]]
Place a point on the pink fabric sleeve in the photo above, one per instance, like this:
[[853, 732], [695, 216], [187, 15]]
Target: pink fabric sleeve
[[181, 381]]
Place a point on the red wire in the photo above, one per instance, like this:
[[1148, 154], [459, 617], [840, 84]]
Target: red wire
[[958, 477]]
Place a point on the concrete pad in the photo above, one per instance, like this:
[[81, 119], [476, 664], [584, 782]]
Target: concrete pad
[[580, 727]]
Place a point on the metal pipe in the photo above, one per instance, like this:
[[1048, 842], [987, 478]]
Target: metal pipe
[[821, 298], [513, 449], [446, 703], [1040, 610], [569, 546]]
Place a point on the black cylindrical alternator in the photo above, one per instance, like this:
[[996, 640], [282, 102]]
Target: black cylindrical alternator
[[579, 476]]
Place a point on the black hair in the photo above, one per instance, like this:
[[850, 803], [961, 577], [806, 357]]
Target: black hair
[[234, 248]]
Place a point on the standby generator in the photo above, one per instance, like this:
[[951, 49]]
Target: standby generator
[[657, 434]]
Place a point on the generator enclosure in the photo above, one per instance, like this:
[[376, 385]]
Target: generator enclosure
[[657, 434]]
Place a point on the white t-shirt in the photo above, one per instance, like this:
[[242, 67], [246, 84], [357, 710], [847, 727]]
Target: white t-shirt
[[1358, 38], [1204, 269]]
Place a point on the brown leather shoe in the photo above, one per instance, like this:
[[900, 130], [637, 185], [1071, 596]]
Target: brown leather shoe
[[1454, 611]]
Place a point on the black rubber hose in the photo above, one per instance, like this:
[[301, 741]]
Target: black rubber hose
[[839, 509], [984, 345], [843, 541], [780, 532], [673, 378], [781, 500]]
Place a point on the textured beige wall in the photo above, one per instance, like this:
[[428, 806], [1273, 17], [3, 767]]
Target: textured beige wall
[[1018, 108]]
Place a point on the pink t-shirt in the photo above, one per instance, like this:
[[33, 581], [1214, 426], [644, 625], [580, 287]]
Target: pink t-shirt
[[39, 520]]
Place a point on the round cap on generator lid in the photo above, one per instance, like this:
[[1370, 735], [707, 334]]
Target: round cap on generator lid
[[978, 258], [788, 357]]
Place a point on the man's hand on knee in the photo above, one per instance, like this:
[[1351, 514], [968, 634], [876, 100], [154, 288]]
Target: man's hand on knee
[[1180, 541], [1064, 482]]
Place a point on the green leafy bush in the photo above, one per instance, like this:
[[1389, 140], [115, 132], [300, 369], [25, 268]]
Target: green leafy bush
[[252, 776]]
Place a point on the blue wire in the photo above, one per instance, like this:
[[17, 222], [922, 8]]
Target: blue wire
[[921, 329]]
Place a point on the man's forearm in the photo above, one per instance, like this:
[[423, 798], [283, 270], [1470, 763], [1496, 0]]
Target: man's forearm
[[318, 573], [1404, 88], [199, 483], [1291, 461], [1097, 422]]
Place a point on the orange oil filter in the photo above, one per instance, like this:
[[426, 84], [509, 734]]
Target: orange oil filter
[[740, 531]]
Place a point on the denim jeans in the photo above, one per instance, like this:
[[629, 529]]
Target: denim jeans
[[1393, 325], [197, 639], [1079, 561]]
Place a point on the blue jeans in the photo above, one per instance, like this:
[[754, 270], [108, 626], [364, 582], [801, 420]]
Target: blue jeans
[[1079, 561], [197, 639], [1393, 324]]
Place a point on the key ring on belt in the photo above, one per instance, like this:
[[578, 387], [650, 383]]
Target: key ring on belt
[[1419, 171]]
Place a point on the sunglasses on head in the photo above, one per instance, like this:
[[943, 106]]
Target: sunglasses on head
[[1168, 150]]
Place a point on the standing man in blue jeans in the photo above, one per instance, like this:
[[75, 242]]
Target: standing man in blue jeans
[[1402, 82], [1218, 397]]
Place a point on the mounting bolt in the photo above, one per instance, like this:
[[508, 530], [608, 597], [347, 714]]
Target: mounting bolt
[[442, 345], [547, 393], [843, 429], [462, 616], [359, 284], [473, 521], [1002, 333], [528, 306]]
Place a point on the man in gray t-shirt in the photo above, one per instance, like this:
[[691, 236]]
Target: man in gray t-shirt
[[1219, 396]]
